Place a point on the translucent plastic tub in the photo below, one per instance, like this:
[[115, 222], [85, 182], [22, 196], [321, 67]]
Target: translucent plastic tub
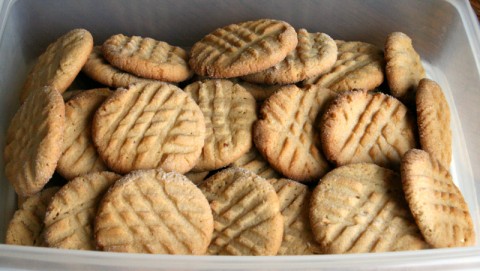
[[445, 33]]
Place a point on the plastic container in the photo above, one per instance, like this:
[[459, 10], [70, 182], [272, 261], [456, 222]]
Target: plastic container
[[445, 33]]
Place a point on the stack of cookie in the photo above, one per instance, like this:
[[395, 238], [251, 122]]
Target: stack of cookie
[[216, 151]]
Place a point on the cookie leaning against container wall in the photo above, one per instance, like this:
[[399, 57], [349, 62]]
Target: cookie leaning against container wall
[[149, 125], [436, 202], [30, 161], [60, 63]]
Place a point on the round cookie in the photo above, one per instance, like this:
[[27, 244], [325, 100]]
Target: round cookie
[[69, 94], [361, 208], [229, 112], [60, 63], [149, 125], [150, 211], [34, 141], [26, 226], [433, 118], [103, 72], [358, 65], [285, 136], [254, 161], [147, 58], [361, 126], [71, 213], [246, 214], [294, 200], [404, 68], [315, 54], [436, 202], [243, 48], [79, 155]]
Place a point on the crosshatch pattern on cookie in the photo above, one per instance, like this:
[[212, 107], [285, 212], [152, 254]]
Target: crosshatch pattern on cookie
[[358, 65], [294, 199], [229, 112], [436, 202], [246, 212], [367, 127], [361, 208], [152, 125], [243, 48], [285, 133], [150, 211]]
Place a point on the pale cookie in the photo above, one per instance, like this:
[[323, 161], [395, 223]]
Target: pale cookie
[[229, 112], [26, 226], [246, 212], [404, 68], [197, 177], [315, 54], [79, 155], [358, 65], [361, 208], [294, 199], [433, 118], [60, 63], [71, 213], [285, 133], [436, 202], [103, 72], [243, 48], [260, 92], [150, 211], [362, 126], [34, 141], [254, 161], [147, 58], [154, 125]]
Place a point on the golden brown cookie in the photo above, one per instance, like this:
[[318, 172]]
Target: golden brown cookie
[[361, 208], [34, 141], [436, 202], [254, 161], [147, 58], [79, 155], [150, 211], [243, 48], [69, 94], [315, 54], [294, 200], [71, 213], [285, 133], [246, 212], [60, 63], [362, 126], [103, 72], [358, 65], [433, 118], [404, 68], [26, 226], [153, 125], [229, 112]]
